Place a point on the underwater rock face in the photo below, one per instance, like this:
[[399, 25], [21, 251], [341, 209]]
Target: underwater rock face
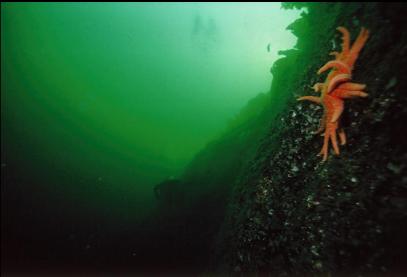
[[287, 212], [291, 214]]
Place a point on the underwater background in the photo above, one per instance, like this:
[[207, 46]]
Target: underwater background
[[165, 138]]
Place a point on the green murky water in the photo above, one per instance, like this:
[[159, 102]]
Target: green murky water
[[102, 101]]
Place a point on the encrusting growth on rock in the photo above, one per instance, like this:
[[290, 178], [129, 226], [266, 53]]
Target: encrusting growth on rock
[[336, 88]]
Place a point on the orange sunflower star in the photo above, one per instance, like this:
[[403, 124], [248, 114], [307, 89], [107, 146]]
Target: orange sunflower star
[[336, 88]]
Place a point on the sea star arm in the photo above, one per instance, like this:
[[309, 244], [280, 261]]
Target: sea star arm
[[335, 54], [352, 86], [342, 136], [357, 46], [311, 98], [330, 135], [343, 67], [334, 108], [347, 94], [334, 140], [336, 80], [345, 40], [324, 150], [322, 123], [318, 87]]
